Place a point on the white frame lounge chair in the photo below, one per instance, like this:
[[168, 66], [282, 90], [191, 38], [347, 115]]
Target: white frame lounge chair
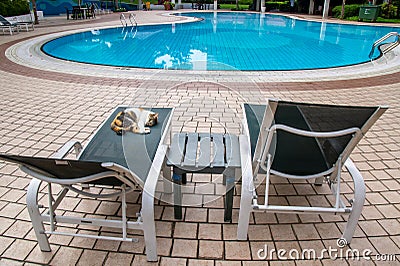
[[106, 160], [6, 25], [302, 141]]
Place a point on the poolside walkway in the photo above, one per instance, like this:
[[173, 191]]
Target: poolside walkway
[[46, 103]]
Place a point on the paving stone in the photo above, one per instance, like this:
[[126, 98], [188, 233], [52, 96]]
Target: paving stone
[[211, 249], [282, 232], [185, 230], [92, 257], [119, 259], [235, 250], [210, 231], [200, 262], [6, 242], [165, 261], [384, 245], [19, 249], [18, 229], [5, 223], [185, 248], [327, 230], [305, 231]]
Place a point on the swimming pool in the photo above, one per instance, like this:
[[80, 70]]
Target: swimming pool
[[224, 41]]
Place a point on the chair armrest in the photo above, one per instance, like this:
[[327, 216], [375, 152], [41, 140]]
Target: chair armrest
[[359, 185], [308, 133], [154, 173], [358, 201], [248, 188], [246, 166], [66, 148]]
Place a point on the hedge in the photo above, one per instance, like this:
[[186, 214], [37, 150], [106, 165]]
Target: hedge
[[349, 11], [10, 8], [281, 6], [241, 2]]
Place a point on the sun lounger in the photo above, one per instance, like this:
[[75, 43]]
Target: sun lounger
[[300, 141], [125, 163]]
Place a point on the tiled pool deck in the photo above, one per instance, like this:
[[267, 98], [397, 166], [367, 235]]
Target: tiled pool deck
[[46, 103]]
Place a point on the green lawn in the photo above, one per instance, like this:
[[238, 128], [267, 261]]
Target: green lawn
[[233, 6], [379, 19], [388, 20]]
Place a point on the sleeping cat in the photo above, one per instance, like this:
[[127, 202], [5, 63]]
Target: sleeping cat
[[136, 120]]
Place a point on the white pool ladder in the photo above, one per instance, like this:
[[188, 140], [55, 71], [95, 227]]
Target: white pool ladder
[[132, 16], [388, 47], [123, 20], [125, 24]]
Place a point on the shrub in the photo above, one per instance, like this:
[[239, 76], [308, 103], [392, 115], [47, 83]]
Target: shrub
[[336, 11], [245, 2], [10, 8], [281, 6], [388, 11], [225, 2], [241, 2], [349, 11]]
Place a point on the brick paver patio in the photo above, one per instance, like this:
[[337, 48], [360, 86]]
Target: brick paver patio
[[42, 109]]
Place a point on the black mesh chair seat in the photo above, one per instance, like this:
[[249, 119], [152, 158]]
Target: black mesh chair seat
[[132, 151], [63, 168], [300, 155]]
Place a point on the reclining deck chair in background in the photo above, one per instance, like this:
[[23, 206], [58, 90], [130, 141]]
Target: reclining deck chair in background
[[4, 23], [128, 162], [302, 141], [7, 25]]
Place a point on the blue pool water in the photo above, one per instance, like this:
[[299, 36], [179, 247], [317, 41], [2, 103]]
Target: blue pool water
[[224, 41]]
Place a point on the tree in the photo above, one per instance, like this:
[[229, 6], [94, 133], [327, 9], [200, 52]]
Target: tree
[[342, 12], [10, 8], [35, 15]]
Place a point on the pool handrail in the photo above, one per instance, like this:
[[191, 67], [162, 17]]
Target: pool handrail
[[132, 16], [387, 48], [123, 19]]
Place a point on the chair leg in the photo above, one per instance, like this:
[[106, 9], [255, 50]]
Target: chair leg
[[149, 227], [167, 178], [318, 181], [229, 176], [358, 203], [33, 209], [177, 178], [244, 213]]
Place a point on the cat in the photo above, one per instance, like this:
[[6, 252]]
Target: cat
[[136, 120]]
